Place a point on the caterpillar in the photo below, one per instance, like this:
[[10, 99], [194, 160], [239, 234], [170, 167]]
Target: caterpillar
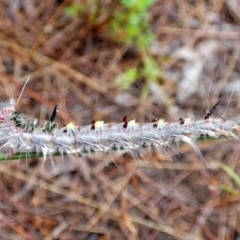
[[21, 134]]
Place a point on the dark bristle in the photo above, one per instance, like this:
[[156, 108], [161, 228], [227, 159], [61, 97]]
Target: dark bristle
[[210, 112], [125, 125], [155, 125], [93, 125], [54, 114], [181, 120], [125, 122]]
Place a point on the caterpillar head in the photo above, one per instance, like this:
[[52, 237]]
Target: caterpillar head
[[6, 109]]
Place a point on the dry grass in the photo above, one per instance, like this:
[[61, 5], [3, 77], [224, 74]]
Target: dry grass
[[72, 62]]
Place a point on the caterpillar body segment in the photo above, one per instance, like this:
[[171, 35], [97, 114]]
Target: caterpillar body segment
[[214, 127], [6, 109]]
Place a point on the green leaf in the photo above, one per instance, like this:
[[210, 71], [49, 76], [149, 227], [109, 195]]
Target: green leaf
[[73, 10], [125, 80], [144, 5], [151, 70], [129, 3]]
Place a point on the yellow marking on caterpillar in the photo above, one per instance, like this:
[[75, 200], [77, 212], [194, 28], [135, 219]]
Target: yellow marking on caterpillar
[[70, 125], [161, 121], [99, 123], [131, 123], [188, 120]]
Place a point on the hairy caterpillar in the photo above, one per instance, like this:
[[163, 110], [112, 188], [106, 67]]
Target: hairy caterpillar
[[20, 134]]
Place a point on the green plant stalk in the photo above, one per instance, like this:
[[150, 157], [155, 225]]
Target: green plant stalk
[[25, 156]]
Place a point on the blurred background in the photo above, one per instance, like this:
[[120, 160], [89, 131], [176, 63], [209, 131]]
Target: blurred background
[[103, 60]]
